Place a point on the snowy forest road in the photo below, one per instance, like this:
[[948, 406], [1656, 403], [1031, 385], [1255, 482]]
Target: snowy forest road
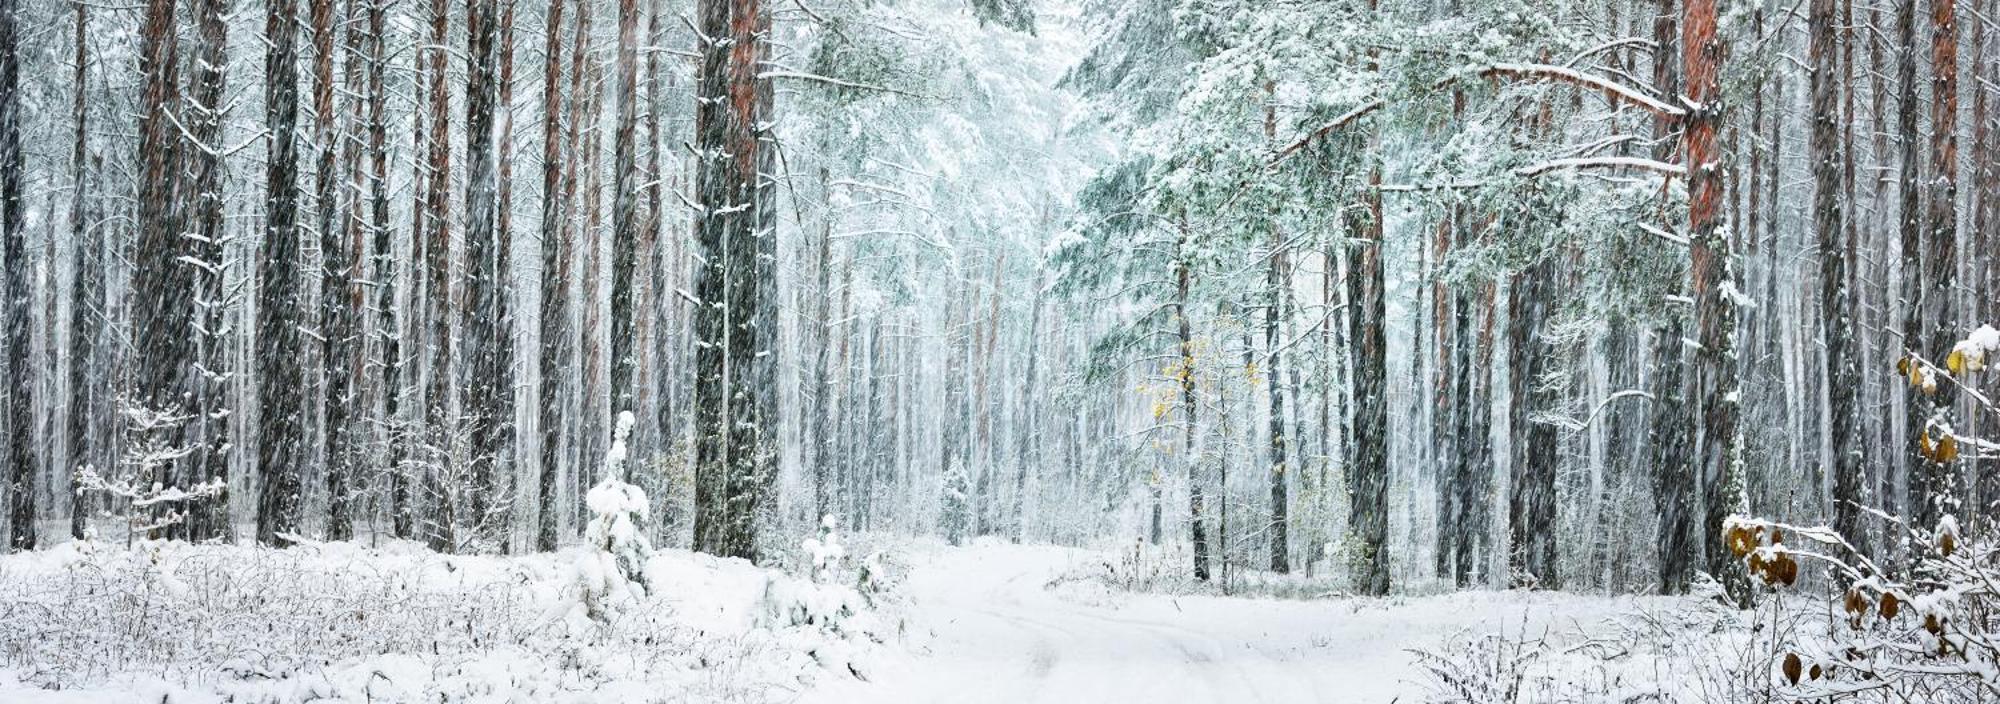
[[997, 633]]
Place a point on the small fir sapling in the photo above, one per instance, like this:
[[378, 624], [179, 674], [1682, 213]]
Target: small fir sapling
[[957, 510], [825, 553], [611, 570], [152, 509]]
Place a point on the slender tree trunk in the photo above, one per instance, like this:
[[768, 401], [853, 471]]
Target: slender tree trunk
[[1836, 249], [87, 302], [1531, 506], [1936, 485], [822, 387], [13, 239], [1368, 470], [1028, 457], [1910, 230], [441, 523], [1184, 373], [557, 338], [388, 280], [335, 328], [484, 335], [1274, 314], [624, 211]]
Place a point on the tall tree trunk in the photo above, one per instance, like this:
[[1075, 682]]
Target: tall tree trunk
[[1936, 484], [203, 118], [557, 338], [1674, 484], [87, 302], [1274, 315], [501, 296], [388, 280], [822, 387], [1028, 458], [1368, 522], [1532, 505], [280, 390], [441, 425], [1910, 230], [1836, 249], [405, 479], [624, 211], [335, 328], [484, 335], [1184, 372], [1719, 392], [729, 119], [14, 240]]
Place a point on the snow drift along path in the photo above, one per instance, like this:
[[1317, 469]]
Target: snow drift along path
[[996, 634]]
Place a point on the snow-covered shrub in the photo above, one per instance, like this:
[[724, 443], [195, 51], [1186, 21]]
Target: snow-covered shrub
[[1927, 629], [610, 569]]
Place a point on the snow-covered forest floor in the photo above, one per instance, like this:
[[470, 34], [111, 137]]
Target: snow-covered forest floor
[[168, 621], [990, 622]]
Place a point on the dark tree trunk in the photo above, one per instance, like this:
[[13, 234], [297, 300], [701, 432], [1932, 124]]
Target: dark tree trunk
[[281, 379], [729, 117], [1910, 231], [87, 445], [440, 530], [484, 335], [624, 212], [209, 519], [1531, 516], [1274, 314], [1184, 372], [336, 328], [1836, 249], [1369, 466], [389, 321], [13, 239]]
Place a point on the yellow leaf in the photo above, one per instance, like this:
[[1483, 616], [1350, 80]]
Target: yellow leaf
[[1955, 362]]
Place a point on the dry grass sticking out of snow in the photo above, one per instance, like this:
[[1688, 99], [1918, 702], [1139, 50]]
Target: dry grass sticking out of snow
[[340, 622]]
